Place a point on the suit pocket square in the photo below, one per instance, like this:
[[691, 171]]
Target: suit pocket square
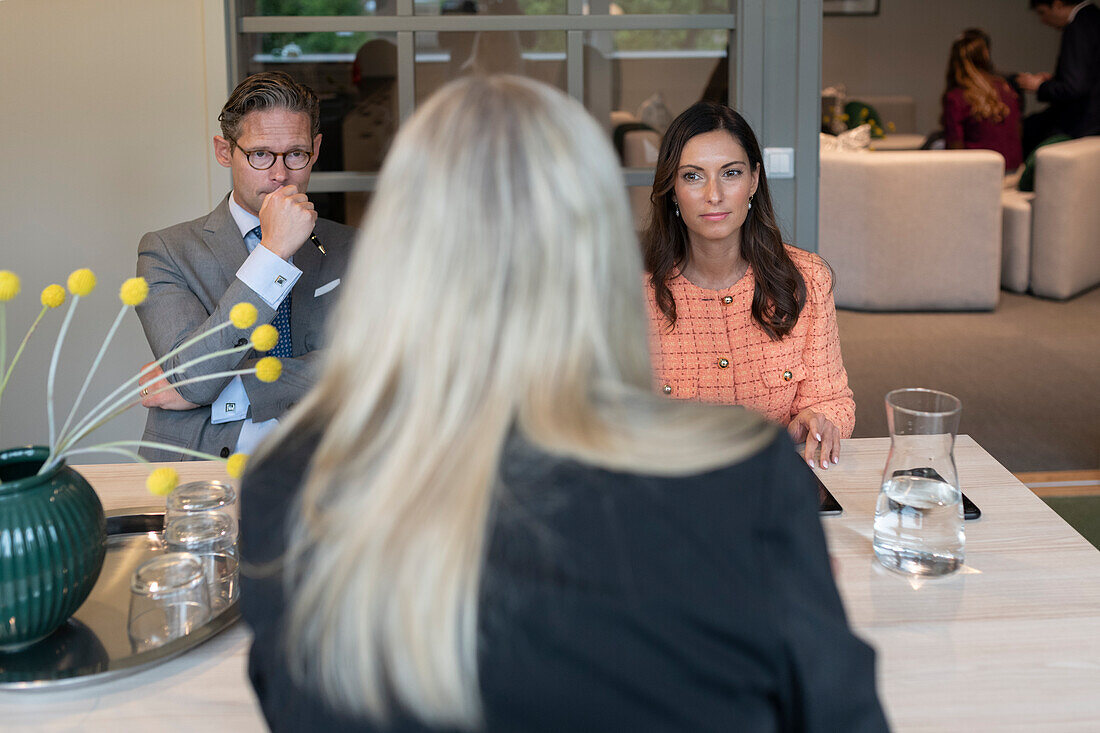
[[326, 288]]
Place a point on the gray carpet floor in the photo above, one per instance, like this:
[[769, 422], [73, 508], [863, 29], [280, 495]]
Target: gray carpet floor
[[1028, 374]]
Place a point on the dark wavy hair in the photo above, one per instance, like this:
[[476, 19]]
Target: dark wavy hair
[[780, 290]]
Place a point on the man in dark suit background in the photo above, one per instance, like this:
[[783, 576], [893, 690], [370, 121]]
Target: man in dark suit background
[[254, 247], [1073, 91]]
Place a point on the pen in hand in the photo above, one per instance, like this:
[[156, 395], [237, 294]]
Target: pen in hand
[[317, 242]]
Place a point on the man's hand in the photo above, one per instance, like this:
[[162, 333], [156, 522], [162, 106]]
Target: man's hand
[[1031, 82], [151, 395], [286, 218], [821, 436]]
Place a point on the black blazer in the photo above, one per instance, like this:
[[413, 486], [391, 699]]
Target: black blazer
[[619, 602], [1074, 91]]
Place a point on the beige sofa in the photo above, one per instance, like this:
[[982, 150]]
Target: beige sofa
[[914, 230], [1052, 236]]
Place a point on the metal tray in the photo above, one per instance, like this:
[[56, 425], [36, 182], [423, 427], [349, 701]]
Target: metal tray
[[93, 645]]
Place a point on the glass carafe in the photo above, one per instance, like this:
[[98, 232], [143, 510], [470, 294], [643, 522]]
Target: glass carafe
[[919, 515]]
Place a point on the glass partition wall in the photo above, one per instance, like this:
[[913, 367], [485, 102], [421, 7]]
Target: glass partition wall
[[635, 64]]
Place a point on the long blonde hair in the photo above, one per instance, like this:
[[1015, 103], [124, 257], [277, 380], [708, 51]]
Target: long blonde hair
[[969, 67], [496, 284]]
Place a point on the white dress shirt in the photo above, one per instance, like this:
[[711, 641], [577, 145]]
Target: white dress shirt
[[271, 277]]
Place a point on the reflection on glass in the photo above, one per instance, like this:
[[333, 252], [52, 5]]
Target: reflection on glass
[[492, 7], [318, 7], [649, 77], [458, 54], [639, 205], [647, 7], [369, 126], [325, 67]]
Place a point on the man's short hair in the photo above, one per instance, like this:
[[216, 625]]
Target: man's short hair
[[265, 91]]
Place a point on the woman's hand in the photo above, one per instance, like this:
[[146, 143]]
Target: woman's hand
[[821, 436]]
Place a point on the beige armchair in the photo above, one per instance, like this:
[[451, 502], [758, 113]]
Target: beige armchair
[[914, 230], [1052, 236]]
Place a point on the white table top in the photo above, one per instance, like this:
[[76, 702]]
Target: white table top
[[1010, 642]]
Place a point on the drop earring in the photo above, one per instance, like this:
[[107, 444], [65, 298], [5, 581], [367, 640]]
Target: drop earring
[[750, 200], [677, 209]]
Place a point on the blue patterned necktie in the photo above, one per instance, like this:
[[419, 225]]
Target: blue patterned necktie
[[281, 321]]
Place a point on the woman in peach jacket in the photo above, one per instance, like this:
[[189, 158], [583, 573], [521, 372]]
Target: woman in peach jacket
[[736, 316]]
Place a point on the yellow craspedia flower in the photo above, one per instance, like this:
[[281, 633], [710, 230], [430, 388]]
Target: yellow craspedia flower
[[265, 337], [844, 117], [9, 285], [268, 369], [891, 126], [162, 481], [81, 282], [133, 291], [53, 295], [243, 315], [236, 464]]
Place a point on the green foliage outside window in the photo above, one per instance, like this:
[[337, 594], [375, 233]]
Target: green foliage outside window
[[545, 41], [310, 43]]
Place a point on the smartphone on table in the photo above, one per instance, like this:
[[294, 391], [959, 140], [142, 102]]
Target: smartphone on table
[[970, 509], [826, 502]]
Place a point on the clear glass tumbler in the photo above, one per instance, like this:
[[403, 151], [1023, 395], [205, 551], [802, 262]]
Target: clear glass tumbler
[[169, 598], [197, 497], [919, 515], [212, 536]]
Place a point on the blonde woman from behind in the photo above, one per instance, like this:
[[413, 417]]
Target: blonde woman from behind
[[482, 519]]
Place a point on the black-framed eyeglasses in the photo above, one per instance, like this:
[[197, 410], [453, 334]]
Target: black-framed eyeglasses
[[261, 160]]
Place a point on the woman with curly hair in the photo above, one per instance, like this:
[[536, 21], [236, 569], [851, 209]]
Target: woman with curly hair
[[737, 316], [980, 110]]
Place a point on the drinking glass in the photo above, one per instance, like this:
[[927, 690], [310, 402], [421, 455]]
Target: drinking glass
[[169, 598], [212, 536], [197, 497], [919, 515]]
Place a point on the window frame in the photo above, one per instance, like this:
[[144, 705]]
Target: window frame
[[405, 23]]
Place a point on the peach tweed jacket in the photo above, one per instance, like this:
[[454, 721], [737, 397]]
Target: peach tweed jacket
[[717, 353]]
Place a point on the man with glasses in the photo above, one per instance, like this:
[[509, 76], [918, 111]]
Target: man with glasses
[[264, 245]]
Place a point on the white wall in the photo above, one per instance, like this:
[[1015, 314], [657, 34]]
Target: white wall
[[903, 49], [105, 122]]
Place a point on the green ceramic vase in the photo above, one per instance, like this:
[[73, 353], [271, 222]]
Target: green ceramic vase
[[53, 537]]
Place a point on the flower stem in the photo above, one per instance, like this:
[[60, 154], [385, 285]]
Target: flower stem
[[53, 366], [3, 338], [118, 408], [91, 372], [94, 416], [19, 351], [116, 446], [99, 408], [106, 448]]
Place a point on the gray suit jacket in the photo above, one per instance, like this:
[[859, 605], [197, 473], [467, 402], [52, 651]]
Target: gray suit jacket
[[191, 270]]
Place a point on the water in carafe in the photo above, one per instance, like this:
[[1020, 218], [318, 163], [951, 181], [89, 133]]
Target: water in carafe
[[919, 516], [919, 526]]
